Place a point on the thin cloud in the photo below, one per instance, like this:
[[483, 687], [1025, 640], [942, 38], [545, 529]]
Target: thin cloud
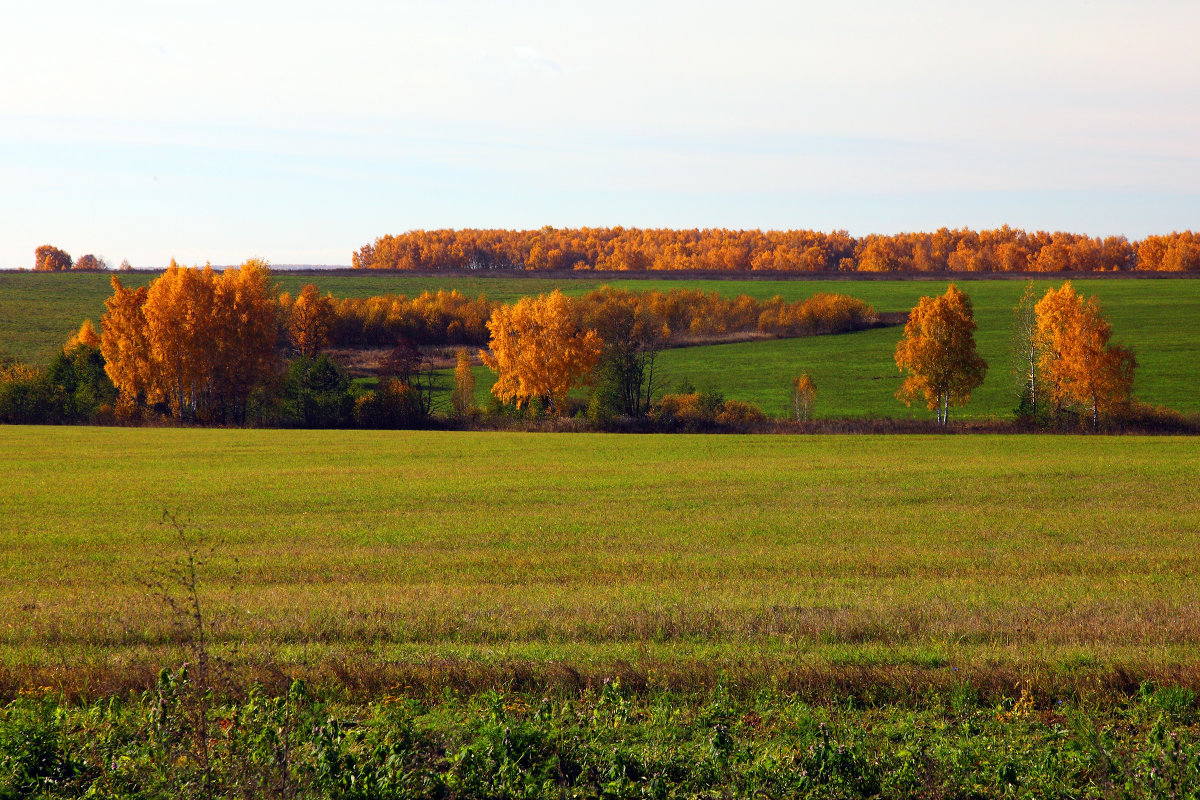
[[537, 59]]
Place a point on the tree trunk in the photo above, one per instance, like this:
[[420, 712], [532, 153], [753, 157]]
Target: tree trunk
[[1033, 381]]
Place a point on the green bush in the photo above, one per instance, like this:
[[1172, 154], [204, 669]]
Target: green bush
[[317, 393], [32, 757]]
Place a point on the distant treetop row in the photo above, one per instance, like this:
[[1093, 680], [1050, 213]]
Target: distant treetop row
[[49, 258], [961, 250]]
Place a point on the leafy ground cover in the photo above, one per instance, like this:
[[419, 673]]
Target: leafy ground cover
[[484, 559], [854, 373], [602, 742]]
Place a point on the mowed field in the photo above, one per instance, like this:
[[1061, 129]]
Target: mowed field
[[855, 373], [912, 559]]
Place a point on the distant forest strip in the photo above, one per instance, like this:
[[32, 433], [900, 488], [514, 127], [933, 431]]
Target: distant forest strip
[[670, 318], [665, 249]]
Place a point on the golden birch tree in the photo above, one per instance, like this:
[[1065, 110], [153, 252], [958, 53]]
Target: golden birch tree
[[193, 339], [1079, 366], [462, 399], [86, 336], [804, 392], [938, 352], [539, 351], [309, 320], [125, 346]]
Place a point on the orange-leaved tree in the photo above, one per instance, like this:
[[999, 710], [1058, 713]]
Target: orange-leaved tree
[[309, 320], [938, 350], [539, 351], [86, 336], [193, 339], [1078, 364], [804, 392], [89, 262], [49, 258], [462, 399], [125, 346]]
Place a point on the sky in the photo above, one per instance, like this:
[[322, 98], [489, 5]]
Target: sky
[[300, 131]]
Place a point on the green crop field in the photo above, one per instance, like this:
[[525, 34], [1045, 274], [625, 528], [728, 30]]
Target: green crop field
[[854, 373], [439, 614], [923, 559]]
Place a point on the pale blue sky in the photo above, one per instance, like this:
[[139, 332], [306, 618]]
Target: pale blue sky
[[300, 131]]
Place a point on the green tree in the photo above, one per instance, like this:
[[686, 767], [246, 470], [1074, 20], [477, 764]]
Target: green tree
[[317, 393], [78, 382], [1026, 354]]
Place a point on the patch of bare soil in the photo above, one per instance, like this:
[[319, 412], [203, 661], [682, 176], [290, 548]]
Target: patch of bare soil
[[365, 362]]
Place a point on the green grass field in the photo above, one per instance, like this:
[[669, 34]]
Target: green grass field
[[918, 559], [854, 373]]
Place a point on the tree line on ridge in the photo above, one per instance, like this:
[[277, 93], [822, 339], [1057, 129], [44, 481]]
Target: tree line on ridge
[[1003, 249]]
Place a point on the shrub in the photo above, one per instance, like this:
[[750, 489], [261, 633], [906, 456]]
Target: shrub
[[737, 412], [32, 759], [25, 396], [317, 393], [78, 383], [392, 405], [701, 410]]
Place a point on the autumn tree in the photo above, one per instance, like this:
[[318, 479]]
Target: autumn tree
[[1078, 364], [86, 336], [462, 399], [938, 351], [126, 347], [999, 249], [249, 324], [194, 340], [180, 312], [48, 258], [308, 320], [539, 351], [804, 392], [89, 262]]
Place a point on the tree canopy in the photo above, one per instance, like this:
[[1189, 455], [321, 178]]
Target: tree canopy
[[938, 352], [539, 351], [1003, 249], [49, 258], [1078, 365], [194, 339]]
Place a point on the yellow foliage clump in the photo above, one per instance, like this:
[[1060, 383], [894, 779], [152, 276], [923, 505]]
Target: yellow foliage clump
[[938, 351], [309, 319], [539, 351], [194, 339], [1077, 363], [86, 336]]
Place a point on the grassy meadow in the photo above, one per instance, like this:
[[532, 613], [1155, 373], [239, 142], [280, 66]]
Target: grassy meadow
[[855, 373], [773, 560]]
